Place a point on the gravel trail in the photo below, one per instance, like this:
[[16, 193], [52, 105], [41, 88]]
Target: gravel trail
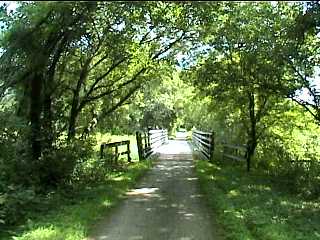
[[166, 204]]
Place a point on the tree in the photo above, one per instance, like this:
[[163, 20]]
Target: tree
[[302, 59], [103, 50], [36, 47], [243, 54]]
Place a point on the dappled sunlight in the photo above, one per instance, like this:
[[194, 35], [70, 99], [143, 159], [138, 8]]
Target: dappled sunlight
[[42, 233], [107, 203], [259, 187], [120, 178], [233, 193], [256, 205], [164, 202], [192, 179], [135, 238], [145, 192]]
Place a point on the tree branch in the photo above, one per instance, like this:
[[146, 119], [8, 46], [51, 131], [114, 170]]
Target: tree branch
[[306, 106], [168, 47], [120, 103], [112, 67], [90, 99]]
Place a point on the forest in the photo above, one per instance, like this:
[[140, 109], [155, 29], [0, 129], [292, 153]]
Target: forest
[[74, 74]]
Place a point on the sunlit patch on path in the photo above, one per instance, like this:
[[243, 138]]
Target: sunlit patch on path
[[166, 204]]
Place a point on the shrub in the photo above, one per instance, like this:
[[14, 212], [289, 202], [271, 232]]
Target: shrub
[[15, 200]]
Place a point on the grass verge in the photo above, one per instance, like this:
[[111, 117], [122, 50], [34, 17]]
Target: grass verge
[[254, 206], [72, 219]]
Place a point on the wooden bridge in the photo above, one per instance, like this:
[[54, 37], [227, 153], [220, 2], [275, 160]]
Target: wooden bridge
[[166, 203], [149, 141]]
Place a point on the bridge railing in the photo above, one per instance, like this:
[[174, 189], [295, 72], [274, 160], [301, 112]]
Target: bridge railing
[[235, 152], [157, 137], [149, 140], [117, 152], [204, 141]]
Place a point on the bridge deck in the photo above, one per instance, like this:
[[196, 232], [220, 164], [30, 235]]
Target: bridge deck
[[165, 205]]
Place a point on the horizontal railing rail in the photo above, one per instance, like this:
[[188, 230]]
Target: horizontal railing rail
[[235, 152], [157, 137], [149, 140], [204, 141], [306, 163]]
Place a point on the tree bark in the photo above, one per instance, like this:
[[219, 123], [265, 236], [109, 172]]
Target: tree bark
[[49, 90], [252, 131], [75, 108], [35, 112]]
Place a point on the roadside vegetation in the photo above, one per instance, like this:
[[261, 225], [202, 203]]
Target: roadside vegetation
[[71, 211], [257, 205], [76, 74], [71, 215]]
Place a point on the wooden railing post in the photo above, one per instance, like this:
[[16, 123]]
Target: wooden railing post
[[101, 151], [145, 140], [248, 159], [212, 146], [128, 151], [148, 132], [139, 145], [116, 155]]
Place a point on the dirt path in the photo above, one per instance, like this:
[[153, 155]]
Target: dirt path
[[165, 205]]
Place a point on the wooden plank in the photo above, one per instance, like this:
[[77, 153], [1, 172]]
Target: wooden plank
[[157, 131], [204, 133], [209, 139], [157, 137], [206, 154], [139, 145], [234, 157], [241, 147], [202, 142], [114, 144]]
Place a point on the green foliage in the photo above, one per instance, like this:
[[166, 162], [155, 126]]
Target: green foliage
[[255, 206], [72, 70], [15, 200], [71, 216], [59, 165]]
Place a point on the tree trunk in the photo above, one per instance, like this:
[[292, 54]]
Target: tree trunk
[[252, 133], [35, 112], [47, 121], [73, 118], [75, 108], [49, 89]]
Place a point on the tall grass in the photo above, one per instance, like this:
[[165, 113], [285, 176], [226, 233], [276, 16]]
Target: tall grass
[[255, 206]]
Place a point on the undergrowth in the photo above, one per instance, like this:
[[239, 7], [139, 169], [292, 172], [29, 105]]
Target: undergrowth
[[70, 215], [256, 206]]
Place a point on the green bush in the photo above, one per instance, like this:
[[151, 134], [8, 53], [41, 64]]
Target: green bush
[[58, 166], [15, 200]]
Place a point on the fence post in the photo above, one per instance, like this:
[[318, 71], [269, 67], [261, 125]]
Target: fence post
[[247, 158], [149, 144], [139, 145], [212, 146], [116, 155], [145, 140], [128, 151], [101, 150], [165, 136]]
